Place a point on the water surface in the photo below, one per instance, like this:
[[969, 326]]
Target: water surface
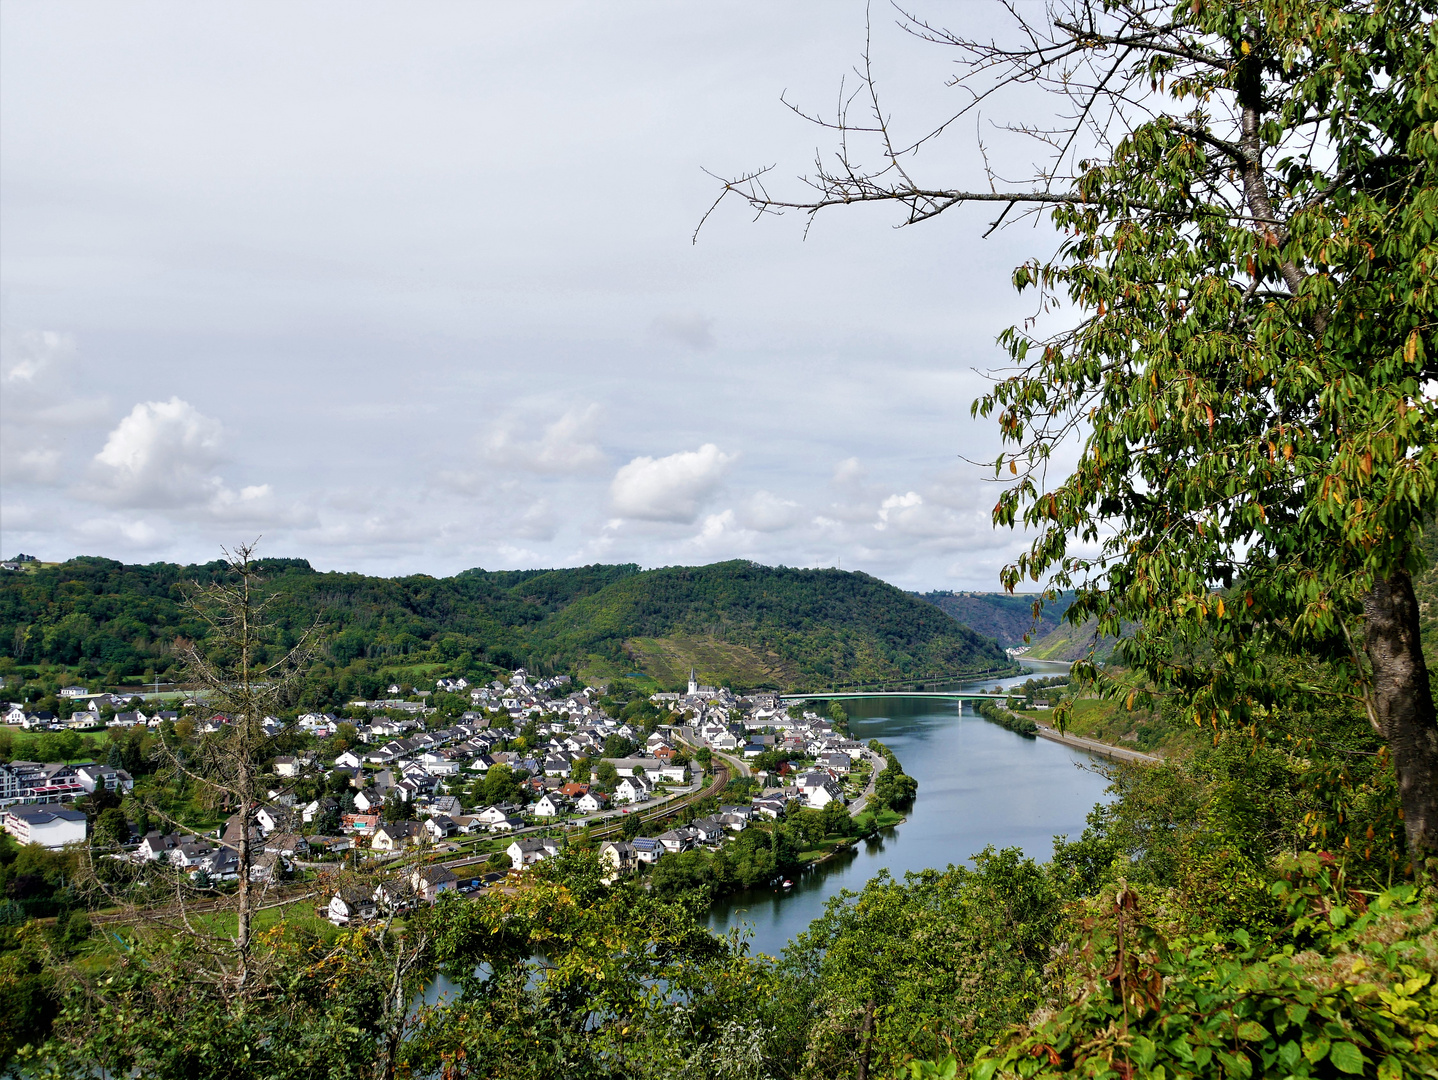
[[978, 785]]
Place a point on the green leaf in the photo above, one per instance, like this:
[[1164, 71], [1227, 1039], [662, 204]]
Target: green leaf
[[1252, 1031], [1289, 1053], [1346, 1057], [1315, 1050], [1389, 1069]]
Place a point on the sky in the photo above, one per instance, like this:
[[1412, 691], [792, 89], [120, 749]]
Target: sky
[[413, 288]]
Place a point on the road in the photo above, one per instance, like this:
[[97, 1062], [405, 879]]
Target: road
[[878, 764]]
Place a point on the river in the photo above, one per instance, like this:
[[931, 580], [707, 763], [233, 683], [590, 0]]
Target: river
[[978, 785]]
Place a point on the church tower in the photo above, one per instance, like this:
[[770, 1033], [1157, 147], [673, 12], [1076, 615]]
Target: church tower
[[693, 683]]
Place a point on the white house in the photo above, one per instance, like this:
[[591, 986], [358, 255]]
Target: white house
[[591, 802], [822, 795], [102, 776], [526, 851], [48, 826], [350, 904], [632, 789]]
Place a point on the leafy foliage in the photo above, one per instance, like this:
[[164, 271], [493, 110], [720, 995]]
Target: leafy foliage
[[103, 617]]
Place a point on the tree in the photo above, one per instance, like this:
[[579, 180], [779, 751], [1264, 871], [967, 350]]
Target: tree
[[1237, 329], [246, 677]]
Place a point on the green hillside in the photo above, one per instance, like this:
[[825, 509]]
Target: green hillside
[[1008, 618], [104, 622]]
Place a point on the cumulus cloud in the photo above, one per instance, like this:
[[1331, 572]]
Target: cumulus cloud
[[564, 446], [691, 329], [161, 455], [766, 512], [669, 488]]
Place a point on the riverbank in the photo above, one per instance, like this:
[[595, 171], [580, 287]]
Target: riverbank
[[1094, 746]]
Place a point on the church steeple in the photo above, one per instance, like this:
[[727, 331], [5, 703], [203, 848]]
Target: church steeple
[[693, 683]]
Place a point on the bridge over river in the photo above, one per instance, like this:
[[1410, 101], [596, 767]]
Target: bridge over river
[[945, 695]]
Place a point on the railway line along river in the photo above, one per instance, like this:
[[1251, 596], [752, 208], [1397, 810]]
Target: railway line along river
[[978, 785]]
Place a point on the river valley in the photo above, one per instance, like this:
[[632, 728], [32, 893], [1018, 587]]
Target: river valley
[[978, 785]]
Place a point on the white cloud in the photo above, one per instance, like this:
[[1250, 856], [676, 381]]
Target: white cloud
[[903, 509], [668, 488], [691, 329], [38, 407], [566, 445], [29, 355], [766, 512], [161, 455]]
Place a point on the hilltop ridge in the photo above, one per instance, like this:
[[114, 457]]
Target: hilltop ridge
[[737, 622]]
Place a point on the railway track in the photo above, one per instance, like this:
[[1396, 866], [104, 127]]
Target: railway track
[[721, 781]]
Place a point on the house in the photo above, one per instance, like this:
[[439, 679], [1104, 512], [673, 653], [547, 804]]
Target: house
[[440, 826], [285, 765], [526, 851], [447, 805], [820, 796], [618, 857], [267, 866], [156, 846], [836, 761], [327, 845], [271, 818], [91, 777], [74, 692], [395, 835], [350, 904], [429, 881], [491, 815], [708, 830], [369, 801], [633, 789], [592, 802], [677, 840], [317, 809], [648, 849], [551, 804], [48, 826], [287, 844], [395, 895], [508, 824], [360, 823], [348, 760]]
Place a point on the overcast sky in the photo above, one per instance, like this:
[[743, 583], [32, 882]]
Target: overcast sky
[[410, 288]]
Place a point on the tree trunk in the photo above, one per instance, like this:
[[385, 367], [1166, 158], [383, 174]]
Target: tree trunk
[[866, 1040], [1402, 702]]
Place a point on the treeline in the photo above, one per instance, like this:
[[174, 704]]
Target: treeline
[[894, 789], [94, 618], [995, 713]]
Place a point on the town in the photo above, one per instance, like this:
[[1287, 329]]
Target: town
[[436, 803]]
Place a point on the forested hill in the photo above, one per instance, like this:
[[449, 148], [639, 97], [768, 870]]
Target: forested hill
[[1005, 617], [737, 622]]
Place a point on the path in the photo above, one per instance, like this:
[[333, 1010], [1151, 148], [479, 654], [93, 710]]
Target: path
[[1093, 746]]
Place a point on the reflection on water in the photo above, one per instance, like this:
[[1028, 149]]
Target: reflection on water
[[978, 785]]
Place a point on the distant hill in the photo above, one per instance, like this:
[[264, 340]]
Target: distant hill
[[736, 622], [1005, 617]]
